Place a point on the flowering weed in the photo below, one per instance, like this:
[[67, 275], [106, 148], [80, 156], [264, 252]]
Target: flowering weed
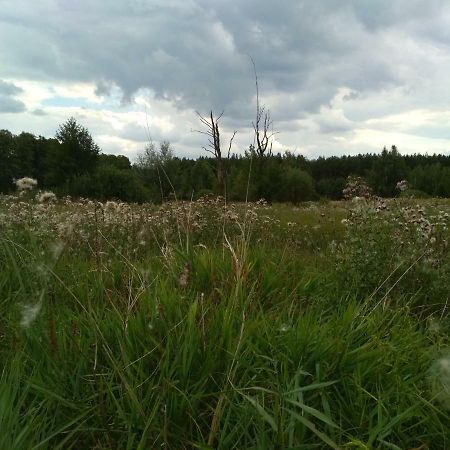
[[212, 325]]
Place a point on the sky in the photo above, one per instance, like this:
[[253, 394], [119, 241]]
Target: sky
[[338, 76]]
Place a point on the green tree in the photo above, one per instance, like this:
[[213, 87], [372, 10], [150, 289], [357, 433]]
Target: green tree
[[7, 152], [297, 186], [331, 187], [387, 170], [152, 157], [109, 182], [76, 155], [157, 169], [118, 161]]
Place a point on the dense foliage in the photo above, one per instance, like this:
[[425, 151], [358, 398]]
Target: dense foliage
[[204, 325], [72, 164]]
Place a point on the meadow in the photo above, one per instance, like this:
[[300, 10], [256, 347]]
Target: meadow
[[212, 325]]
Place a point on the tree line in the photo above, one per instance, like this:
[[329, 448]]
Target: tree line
[[72, 164]]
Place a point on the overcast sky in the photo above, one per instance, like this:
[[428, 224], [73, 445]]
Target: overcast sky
[[339, 76]]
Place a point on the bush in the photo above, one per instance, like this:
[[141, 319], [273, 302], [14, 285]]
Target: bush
[[395, 248], [297, 186], [109, 182]]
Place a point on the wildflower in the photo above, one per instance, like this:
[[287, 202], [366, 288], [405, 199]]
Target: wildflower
[[25, 183], [46, 197], [64, 228], [356, 187], [111, 205], [402, 185]]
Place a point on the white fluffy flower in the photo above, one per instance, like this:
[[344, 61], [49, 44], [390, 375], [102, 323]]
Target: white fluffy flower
[[402, 185], [46, 197], [25, 183]]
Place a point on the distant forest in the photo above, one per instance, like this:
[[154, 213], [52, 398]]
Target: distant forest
[[72, 164]]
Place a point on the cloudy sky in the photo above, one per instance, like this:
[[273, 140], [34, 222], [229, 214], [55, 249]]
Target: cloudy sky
[[339, 76]]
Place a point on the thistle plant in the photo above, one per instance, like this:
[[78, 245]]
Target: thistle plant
[[210, 325]]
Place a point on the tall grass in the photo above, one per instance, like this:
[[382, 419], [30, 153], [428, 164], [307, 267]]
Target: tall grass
[[265, 344]]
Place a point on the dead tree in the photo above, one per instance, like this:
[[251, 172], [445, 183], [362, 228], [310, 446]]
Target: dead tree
[[263, 126], [213, 133]]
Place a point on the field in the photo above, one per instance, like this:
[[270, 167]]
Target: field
[[211, 325]]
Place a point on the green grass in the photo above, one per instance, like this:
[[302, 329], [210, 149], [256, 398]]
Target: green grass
[[297, 332]]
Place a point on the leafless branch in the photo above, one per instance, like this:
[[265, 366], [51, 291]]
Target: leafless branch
[[262, 125], [231, 142], [214, 146]]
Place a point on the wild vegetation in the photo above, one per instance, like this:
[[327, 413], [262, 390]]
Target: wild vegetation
[[146, 311], [71, 164], [211, 324]]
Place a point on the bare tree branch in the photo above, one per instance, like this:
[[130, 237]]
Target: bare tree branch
[[214, 147], [231, 142], [262, 125]]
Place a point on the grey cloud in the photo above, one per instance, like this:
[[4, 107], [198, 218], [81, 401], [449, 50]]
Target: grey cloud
[[8, 104], [9, 89], [330, 127], [103, 88], [39, 112], [11, 105], [194, 54], [351, 96]]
